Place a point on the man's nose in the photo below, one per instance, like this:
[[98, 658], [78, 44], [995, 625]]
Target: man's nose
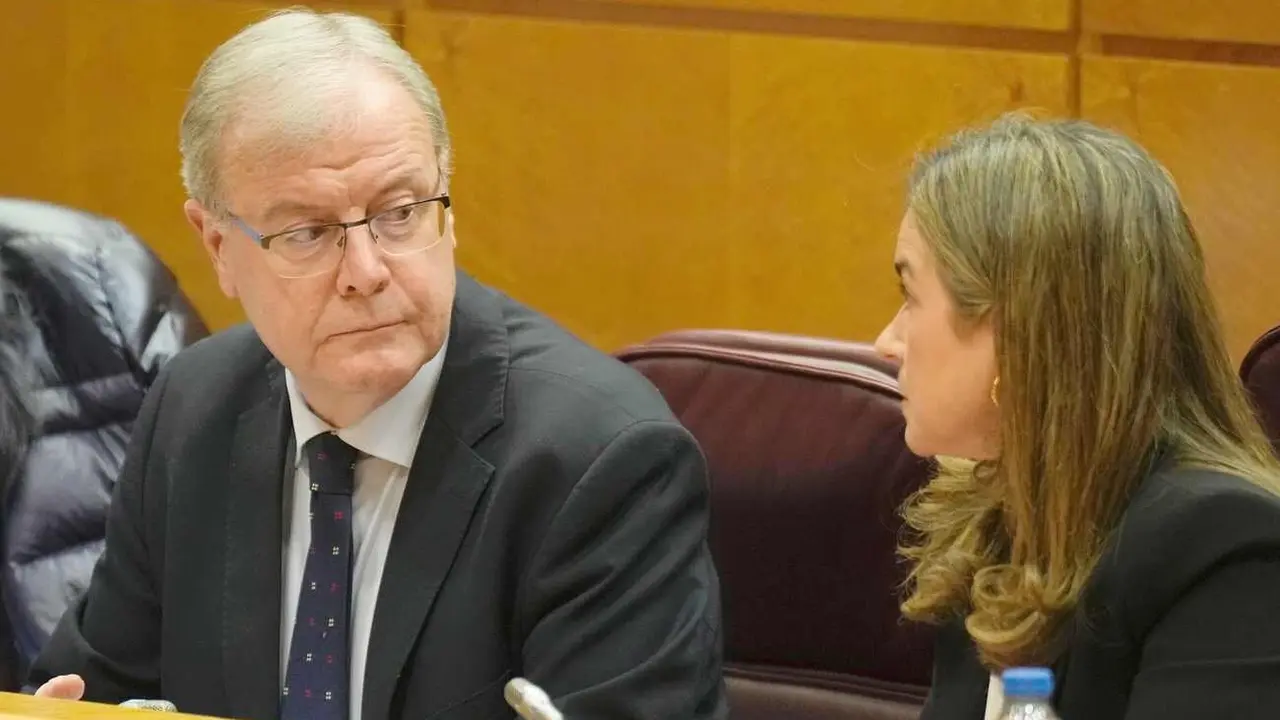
[[364, 268]]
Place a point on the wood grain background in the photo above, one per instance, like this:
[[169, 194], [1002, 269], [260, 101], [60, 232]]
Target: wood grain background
[[635, 166]]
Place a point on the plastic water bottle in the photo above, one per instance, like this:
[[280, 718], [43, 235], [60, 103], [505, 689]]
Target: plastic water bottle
[[1028, 694]]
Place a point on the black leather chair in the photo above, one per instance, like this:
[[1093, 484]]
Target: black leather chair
[[90, 317]]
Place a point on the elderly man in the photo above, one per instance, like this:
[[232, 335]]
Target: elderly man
[[395, 489]]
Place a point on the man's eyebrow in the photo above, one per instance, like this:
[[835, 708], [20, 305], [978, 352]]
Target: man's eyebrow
[[290, 207], [404, 179], [428, 181]]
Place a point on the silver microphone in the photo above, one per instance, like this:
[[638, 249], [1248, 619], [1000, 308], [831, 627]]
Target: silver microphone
[[156, 705], [530, 701]]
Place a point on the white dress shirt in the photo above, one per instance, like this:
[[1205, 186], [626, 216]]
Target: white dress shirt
[[995, 698], [387, 439]]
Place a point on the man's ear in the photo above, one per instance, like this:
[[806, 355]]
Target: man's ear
[[209, 229]]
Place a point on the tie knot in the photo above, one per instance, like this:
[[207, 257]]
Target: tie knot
[[332, 463]]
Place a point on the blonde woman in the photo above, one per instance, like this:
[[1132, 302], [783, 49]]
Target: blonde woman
[[1106, 504]]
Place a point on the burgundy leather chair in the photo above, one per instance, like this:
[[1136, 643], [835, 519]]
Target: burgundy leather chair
[[1260, 372], [804, 438]]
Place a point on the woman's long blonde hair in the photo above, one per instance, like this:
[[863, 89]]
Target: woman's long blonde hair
[[1073, 241]]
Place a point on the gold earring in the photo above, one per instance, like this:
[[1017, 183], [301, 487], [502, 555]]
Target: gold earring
[[995, 389]]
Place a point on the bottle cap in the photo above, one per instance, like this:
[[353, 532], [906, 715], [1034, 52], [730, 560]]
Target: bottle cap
[[1028, 682]]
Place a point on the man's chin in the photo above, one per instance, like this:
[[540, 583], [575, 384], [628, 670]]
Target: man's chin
[[365, 376], [370, 369]]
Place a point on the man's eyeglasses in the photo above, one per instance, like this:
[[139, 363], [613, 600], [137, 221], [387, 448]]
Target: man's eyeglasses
[[317, 249]]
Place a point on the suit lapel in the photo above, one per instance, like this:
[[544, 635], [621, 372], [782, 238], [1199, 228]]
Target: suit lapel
[[251, 593], [436, 510], [445, 485]]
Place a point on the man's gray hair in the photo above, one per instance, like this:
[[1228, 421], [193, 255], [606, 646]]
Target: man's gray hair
[[286, 75]]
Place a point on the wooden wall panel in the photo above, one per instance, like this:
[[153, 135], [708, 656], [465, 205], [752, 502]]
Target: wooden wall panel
[[1254, 21], [33, 60], [592, 166], [824, 133], [632, 166], [1037, 14], [103, 87], [632, 180], [1214, 126]]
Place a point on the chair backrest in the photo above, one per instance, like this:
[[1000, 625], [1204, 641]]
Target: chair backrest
[[804, 438], [1260, 372]]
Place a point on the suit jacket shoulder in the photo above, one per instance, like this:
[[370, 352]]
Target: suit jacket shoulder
[[596, 503], [219, 375], [1170, 617], [561, 388], [1181, 525]]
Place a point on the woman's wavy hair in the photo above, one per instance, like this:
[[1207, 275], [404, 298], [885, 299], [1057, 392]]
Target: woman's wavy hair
[[1073, 242]]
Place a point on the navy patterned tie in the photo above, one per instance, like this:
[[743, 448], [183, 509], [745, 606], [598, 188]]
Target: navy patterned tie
[[318, 680]]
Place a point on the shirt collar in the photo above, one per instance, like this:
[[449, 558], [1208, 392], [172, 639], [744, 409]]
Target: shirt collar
[[390, 432]]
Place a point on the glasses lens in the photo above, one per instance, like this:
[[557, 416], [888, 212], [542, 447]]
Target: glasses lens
[[306, 251], [409, 228]]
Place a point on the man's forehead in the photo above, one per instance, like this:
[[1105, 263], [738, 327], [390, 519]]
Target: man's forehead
[[308, 174], [334, 145], [291, 197]]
